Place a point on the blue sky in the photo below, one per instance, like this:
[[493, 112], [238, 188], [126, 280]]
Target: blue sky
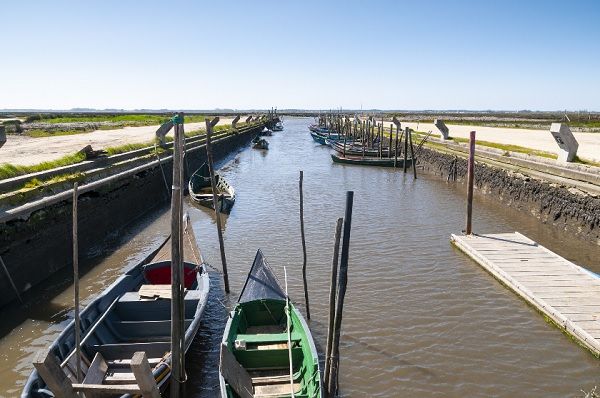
[[542, 55]]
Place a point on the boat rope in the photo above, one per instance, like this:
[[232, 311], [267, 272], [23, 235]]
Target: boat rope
[[218, 271], [289, 332], [10, 280], [162, 170]]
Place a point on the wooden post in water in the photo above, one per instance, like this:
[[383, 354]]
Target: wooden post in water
[[343, 280], [79, 375], [470, 178], [210, 124], [413, 160], [398, 127], [177, 310], [303, 246], [332, 296], [390, 143], [364, 142], [406, 133]]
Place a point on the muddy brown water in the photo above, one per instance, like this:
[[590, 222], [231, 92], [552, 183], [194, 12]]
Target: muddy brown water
[[421, 319]]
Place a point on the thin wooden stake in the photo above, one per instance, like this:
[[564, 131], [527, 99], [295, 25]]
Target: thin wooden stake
[[390, 143], [343, 280], [406, 133], [332, 294], [209, 131], [177, 255], [303, 245], [413, 159], [12, 283], [396, 148], [470, 178], [79, 374]]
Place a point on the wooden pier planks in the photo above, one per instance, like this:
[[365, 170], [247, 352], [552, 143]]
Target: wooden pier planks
[[565, 292]]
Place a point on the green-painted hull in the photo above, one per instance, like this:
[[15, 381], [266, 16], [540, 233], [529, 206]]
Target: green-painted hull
[[260, 325]]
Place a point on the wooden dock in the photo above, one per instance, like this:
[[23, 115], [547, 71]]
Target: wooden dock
[[565, 292]]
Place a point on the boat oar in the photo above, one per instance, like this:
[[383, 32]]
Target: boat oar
[[289, 333]]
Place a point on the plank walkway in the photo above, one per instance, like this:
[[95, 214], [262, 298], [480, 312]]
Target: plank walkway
[[565, 292]]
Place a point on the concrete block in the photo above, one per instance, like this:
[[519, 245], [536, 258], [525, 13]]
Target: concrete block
[[443, 129], [566, 142]]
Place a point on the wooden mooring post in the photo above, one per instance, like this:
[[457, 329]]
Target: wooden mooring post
[[398, 127], [332, 296], [210, 124], [78, 375], [470, 179], [332, 387], [177, 288], [413, 159], [305, 284], [406, 133]]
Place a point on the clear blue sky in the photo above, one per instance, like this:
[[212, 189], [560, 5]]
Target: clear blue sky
[[542, 55]]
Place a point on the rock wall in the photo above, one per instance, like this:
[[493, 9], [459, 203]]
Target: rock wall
[[35, 248], [566, 208]]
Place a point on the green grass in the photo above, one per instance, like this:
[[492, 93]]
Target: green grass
[[510, 148], [122, 119], [51, 133], [8, 170]]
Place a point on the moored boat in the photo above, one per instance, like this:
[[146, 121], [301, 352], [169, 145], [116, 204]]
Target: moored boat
[[132, 315], [267, 132], [357, 150], [262, 333], [201, 191], [278, 127], [260, 143], [370, 161]]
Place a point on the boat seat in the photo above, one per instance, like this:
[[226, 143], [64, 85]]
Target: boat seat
[[267, 338], [277, 358], [126, 350], [145, 329], [133, 308]]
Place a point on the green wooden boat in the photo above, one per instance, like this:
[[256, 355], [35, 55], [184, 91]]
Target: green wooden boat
[[370, 161], [201, 192], [263, 332]]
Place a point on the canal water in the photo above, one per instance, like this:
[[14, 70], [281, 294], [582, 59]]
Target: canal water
[[420, 318]]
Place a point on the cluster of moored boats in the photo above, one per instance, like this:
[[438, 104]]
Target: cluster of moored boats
[[260, 143], [365, 143], [267, 349]]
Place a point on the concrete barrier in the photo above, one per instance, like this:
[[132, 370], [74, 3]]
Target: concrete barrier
[[443, 129], [2, 136], [566, 142]]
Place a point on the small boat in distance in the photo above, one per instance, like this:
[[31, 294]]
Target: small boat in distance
[[266, 132], [278, 127], [370, 161], [201, 191], [262, 333], [260, 143], [133, 314]]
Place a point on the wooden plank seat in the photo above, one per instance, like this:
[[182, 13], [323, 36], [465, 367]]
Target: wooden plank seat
[[278, 358], [126, 350], [145, 329], [267, 338]]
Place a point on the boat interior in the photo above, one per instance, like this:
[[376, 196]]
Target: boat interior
[[137, 320], [258, 339]]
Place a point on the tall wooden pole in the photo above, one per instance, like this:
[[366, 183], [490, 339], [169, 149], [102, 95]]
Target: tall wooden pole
[[470, 178], [303, 246], [177, 310], [332, 296], [413, 160], [390, 143], [406, 133], [343, 280], [76, 285], [210, 124]]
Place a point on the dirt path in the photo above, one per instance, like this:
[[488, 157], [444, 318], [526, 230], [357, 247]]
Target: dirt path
[[589, 143], [21, 150]]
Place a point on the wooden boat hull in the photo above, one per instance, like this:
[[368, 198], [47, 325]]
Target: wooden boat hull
[[370, 161], [357, 151], [119, 322], [261, 144], [200, 190], [256, 337]]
